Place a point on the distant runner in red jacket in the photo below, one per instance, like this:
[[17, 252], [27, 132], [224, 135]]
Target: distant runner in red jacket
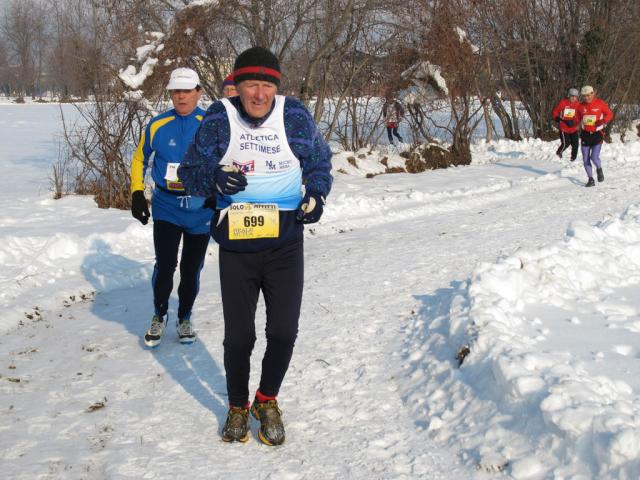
[[594, 114], [566, 114]]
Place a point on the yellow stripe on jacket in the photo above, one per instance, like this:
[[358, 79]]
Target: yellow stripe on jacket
[[140, 161], [138, 166]]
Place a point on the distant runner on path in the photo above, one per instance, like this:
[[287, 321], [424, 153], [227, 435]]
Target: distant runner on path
[[566, 114], [594, 114], [392, 111]]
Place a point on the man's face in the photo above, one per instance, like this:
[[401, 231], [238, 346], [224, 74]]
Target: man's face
[[588, 97], [573, 98], [185, 101], [229, 91], [257, 96]]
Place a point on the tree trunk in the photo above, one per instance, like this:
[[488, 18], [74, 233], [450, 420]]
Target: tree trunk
[[503, 116]]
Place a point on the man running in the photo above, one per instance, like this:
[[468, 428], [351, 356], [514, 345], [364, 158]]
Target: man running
[[565, 114], [256, 151], [594, 114], [176, 215], [392, 112]]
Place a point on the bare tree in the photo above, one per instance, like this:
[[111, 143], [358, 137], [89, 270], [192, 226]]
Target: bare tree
[[446, 45], [339, 56], [540, 48], [99, 147], [21, 42], [6, 77], [608, 53]]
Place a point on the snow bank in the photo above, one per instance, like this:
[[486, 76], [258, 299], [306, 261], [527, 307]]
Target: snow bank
[[44, 272], [617, 153], [379, 160], [515, 398], [366, 162]]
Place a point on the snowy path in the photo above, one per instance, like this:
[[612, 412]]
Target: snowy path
[[163, 408], [386, 261]]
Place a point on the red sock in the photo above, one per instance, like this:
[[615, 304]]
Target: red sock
[[261, 397]]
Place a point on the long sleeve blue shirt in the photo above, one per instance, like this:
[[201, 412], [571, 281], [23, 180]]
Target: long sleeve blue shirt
[[166, 138]]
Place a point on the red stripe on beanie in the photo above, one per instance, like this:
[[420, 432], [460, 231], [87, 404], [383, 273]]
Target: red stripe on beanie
[[259, 70], [228, 81]]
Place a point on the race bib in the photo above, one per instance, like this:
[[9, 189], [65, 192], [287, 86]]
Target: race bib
[[172, 172], [589, 120], [249, 221], [569, 113], [171, 177]]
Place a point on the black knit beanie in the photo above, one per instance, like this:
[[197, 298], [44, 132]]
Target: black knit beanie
[[257, 63]]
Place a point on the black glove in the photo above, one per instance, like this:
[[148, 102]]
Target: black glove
[[569, 123], [139, 207], [310, 208], [229, 180], [557, 119], [210, 202]]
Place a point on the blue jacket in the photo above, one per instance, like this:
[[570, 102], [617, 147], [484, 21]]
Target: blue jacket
[[167, 137], [210, 144]]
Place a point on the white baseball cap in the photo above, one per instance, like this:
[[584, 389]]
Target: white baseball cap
[[586, 90], [183, 79]]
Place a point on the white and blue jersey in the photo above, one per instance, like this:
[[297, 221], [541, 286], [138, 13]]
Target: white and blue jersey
[[263, 154], [278, 154]]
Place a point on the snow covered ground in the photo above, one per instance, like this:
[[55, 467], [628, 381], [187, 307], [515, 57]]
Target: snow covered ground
[[511, 257]]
